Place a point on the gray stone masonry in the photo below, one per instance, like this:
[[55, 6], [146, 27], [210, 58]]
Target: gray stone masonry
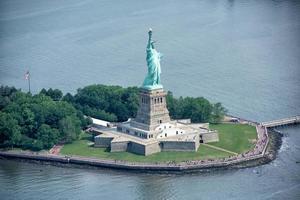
[[103, 141], [179, 145], [119, 146], [152, 111], [211, 136], [153, 131]]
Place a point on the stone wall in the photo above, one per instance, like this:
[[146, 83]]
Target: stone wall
[[102, 141], [210, 137], [136, 148], [152, 148], [148, 148], [152, 110], [179, 145], [119, 146]]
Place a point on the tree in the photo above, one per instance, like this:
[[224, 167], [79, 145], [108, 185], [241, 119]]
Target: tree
[[6, 91], [68, 98], [69, 128], [33, 122], [47, 135], [39, 121], [27, 121], [4, 101], [10, 133], [171, 105], [111, 103], [37, 145], [197, 109], [218, 113], [55, 94]]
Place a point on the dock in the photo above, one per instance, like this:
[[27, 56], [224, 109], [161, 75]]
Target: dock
[[282, 122]]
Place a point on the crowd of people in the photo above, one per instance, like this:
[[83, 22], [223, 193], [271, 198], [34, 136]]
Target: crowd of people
[[258, 150]]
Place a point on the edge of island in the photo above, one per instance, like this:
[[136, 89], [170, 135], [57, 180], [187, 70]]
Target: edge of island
[[263, 153]]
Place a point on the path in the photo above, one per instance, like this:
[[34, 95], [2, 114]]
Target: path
[[56, 149], [220, 149]]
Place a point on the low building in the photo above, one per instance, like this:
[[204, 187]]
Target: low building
[[152, 130], [98, 123]]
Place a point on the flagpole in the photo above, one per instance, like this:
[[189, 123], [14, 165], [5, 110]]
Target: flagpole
[[29, 84], [27, 77]]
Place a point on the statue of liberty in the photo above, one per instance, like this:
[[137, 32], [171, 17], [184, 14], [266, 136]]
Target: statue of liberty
[[152, 80]]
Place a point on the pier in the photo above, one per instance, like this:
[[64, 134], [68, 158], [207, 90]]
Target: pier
[[282, 122]]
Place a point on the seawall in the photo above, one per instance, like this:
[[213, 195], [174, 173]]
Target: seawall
[[268, 153], [159, 167]]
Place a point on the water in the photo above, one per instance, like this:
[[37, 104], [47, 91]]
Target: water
[[245, 54]]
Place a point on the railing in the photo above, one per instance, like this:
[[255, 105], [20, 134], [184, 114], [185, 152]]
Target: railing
[[281, 122]]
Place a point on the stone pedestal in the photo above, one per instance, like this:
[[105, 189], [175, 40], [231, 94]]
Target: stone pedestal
[[152, 111]]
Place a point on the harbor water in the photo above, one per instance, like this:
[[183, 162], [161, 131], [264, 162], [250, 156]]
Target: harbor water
[[245, 54]]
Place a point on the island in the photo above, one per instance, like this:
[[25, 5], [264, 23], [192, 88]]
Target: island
[[138, 128]]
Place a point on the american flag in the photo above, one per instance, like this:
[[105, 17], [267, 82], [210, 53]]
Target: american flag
[[27, 75]]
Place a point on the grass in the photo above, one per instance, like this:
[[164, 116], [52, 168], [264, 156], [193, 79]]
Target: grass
[[82, 148], [233, 137]]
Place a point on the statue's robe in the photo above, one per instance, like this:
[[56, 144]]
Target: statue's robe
[[154, 70]]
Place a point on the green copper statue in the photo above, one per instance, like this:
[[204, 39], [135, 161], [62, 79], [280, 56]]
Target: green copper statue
[[152, 80]]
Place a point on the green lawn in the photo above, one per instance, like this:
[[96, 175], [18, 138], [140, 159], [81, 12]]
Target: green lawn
[[232, 137], [235, 137], [82, 148]]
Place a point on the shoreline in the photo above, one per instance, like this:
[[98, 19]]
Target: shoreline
[[269, 153]]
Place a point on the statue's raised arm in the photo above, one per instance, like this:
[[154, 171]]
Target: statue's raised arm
[[152, 80], [150, 42]]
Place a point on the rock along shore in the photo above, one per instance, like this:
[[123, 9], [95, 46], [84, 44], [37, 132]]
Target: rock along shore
[[258, 156]]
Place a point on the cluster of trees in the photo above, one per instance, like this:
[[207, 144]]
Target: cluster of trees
[[114, 103], [40, 121], [197, 109], [111, 103], [37, 121], [55, 94]]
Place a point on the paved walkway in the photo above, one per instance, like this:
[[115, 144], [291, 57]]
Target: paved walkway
[[56, 149], [220, 149]]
